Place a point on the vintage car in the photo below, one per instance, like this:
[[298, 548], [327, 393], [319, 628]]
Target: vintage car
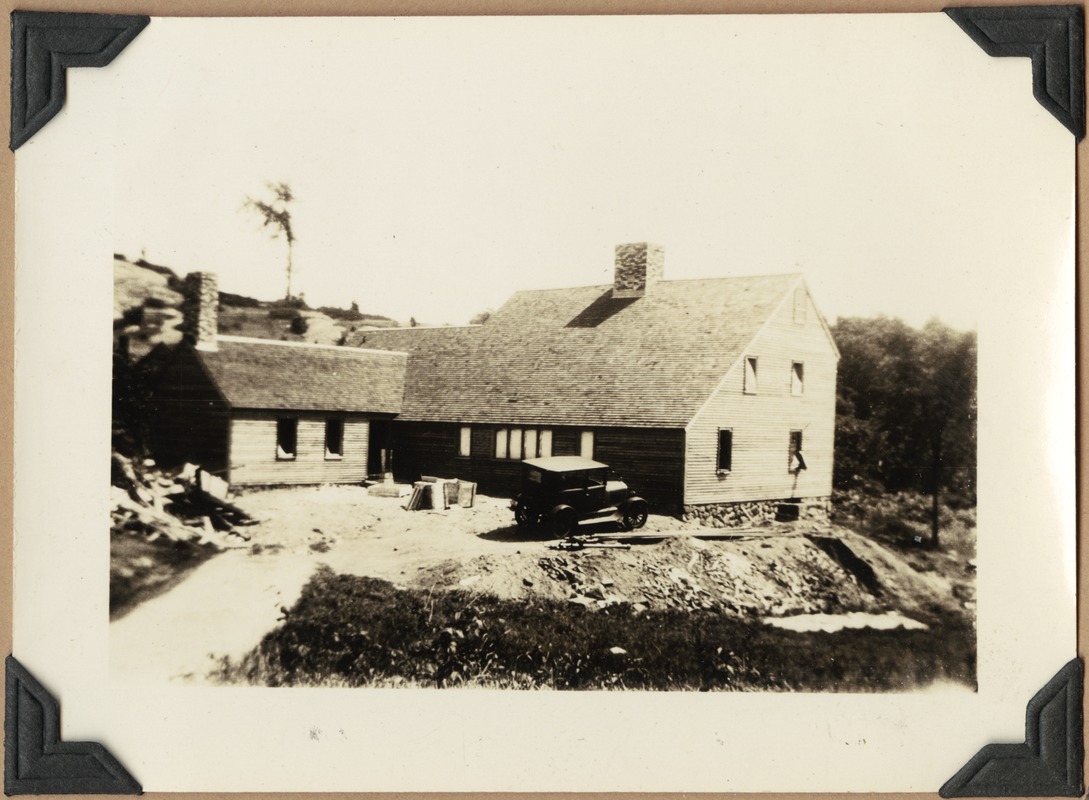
[[561, 491]]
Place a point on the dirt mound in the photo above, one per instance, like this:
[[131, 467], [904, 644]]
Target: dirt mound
[[759, 577]]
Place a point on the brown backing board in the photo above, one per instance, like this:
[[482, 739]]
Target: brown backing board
[[336, 7]]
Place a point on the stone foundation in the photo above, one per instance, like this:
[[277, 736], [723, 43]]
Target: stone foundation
[[750, 512]]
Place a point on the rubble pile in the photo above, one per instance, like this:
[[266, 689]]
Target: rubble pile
[[760, 578], [183, 505]]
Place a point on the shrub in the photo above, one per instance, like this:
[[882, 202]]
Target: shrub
[[238, 300], [350, 314], [358, 631]]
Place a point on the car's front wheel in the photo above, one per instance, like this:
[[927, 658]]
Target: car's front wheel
[[633, 515]]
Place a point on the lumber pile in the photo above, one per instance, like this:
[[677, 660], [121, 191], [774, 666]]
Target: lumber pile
[[439, 494], [184, 505]]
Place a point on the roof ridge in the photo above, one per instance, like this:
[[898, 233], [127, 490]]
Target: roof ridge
[[369, 331], [734, 277], [661, 280], [308, 345]]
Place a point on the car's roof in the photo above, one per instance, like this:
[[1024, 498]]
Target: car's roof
[[564, 463]]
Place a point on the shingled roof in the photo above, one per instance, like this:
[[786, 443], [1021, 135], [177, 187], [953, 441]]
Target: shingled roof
[[581, 356], [268, 374]]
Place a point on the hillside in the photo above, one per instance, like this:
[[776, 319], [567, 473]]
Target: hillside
[[147, 304]]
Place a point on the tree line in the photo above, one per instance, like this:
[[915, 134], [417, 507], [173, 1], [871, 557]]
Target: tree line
[[906, 410]]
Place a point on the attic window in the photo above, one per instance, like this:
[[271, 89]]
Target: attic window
[[334, 439], [750, 375], [287, 435], [797, 378], [801, 305]]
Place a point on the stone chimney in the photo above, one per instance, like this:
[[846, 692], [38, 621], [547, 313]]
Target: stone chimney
[[638, 266], [200, 306]]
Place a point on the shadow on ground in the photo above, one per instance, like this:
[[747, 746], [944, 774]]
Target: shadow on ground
[[512, 533], [141, 569]]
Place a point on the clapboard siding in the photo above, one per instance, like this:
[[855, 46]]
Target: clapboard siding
[[188, 419], [190, 432], [651, 461], [431, 448], [762, 422], [253, 450]]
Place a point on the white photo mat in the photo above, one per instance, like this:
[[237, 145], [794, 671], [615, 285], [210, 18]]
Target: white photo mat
[[1005, 218]]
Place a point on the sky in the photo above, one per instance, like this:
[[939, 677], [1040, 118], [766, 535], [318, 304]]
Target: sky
[[441, 164]]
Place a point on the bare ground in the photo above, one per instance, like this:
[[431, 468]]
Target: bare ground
[[224, 606]]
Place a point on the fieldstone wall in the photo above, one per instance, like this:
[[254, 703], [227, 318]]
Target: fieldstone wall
[[738, 515], [200, 315], [638, 265], [817, 509]]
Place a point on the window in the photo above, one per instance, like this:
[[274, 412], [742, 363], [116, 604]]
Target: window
[[334, 439], [586, 444], [465, 440], [801, 305], [797, 378], [797, 460], [519, 443], [286, 436], [750, 375], [725, 450]]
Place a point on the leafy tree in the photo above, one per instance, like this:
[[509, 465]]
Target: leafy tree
[[481, 317], [947, 407], [412, 322], [906, 408], [276, 214]]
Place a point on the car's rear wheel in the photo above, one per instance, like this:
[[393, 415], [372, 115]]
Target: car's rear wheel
[[634, 515], [564, 521]]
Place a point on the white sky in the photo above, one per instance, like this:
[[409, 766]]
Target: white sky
[[441, 164]]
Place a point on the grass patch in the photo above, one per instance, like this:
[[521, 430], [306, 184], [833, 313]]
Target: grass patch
[[359, 631], [902, 520]]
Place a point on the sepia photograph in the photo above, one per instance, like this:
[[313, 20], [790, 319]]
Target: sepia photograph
[[555, 403], [342, 457]]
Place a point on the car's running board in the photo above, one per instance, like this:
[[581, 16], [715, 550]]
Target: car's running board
[[604, 515]]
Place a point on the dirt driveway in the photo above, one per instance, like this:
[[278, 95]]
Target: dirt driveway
[[225, 606]]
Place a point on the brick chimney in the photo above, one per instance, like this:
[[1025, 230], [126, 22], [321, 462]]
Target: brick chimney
[[638, 266], [200, 306]]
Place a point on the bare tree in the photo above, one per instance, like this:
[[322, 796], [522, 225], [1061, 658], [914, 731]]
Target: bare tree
[[276, 214]]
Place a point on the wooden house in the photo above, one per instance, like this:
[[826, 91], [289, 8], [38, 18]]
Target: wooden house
[[267, 412], [715, 396]]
